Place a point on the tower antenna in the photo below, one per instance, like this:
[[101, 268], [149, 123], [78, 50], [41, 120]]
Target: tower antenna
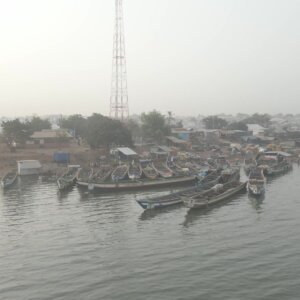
[[119, 95]]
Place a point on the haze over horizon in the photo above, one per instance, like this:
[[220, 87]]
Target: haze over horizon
[[197, 57]]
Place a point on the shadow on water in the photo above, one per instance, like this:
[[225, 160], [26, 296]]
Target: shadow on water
[[257, 201], [149, 214], [63, 194], [193, 215]]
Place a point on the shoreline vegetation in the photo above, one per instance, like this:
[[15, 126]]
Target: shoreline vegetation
[[87, 139]]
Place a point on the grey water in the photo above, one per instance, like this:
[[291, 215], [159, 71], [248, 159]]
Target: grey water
[[82, 245]]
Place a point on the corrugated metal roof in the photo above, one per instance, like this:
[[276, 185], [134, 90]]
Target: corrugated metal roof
[[127, 151], [29, 164]]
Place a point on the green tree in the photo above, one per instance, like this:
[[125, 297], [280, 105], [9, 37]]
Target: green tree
[[237, 126], [103, 131], [75, 122], [154, 126], [134, 127], [38, 124], [15, 131], [261, 119], [214, 122]]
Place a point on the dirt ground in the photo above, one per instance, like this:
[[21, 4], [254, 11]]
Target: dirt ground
[[78, 155]]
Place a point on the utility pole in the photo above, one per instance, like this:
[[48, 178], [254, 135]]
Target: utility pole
[[119, 95]]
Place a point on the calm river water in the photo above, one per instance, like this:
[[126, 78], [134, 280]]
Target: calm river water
[[93, 246]]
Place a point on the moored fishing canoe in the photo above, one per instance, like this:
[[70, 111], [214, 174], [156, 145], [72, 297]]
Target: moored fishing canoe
[[214, 195], [9, 179], [138, 184]]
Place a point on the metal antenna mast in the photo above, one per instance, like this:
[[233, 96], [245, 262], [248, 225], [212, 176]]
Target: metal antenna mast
[[119, 96]]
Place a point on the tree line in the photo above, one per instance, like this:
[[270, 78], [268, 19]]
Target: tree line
[[97, 130], [215, 122]]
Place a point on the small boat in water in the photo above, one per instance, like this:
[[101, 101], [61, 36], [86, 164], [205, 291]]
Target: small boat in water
[[274, 163], [178, 170], [141, 184], [101, 175], [68, 179], [249, 164], [135, 171], [149, 172], [119, 173], [9, 179], [163, 170], [256, 183], [216, 194], [212, 178], [84, 174]]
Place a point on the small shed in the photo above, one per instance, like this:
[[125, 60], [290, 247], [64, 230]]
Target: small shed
[[51, 138], [173, 141], [126, 153], [29, 167], [160, 152]]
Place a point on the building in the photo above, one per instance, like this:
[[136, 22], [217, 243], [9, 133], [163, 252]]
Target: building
[[256, 129], [51, 138]]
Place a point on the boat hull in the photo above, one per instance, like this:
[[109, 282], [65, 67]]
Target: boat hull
[[194, 204], [256, 189], [137, 185], [8, 180]]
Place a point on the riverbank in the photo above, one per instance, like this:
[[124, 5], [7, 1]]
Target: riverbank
[[78, 154]]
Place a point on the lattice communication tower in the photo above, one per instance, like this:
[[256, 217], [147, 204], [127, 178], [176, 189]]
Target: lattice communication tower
[[119, 95]]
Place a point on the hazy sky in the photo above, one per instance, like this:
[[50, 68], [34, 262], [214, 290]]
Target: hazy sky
[[190, 57]]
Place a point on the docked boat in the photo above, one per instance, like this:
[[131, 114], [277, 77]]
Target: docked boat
[[212, 178], [68, 179], [177, 170], [149, 172], [216, 194], [256, 183], [168, 200], [84, 174], [274, 163], [163, 170], [230, 174], [135, 171], [138, 184], [101, 175], [9, 179], [119, 173], [249, 164]]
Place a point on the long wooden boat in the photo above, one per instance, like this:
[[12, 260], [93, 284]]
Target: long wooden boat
[[249, 164], [149, 172], [68, 179], [274, 163], [178, 170], [9, 179], [135, 171], [163, 170], [216, 194], [176, 198], [256, 183], [101, 175], [119, 173], [138, 184], [84, 174], [278, 169]]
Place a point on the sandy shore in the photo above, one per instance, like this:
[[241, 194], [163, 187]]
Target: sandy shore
[[78, 154]]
